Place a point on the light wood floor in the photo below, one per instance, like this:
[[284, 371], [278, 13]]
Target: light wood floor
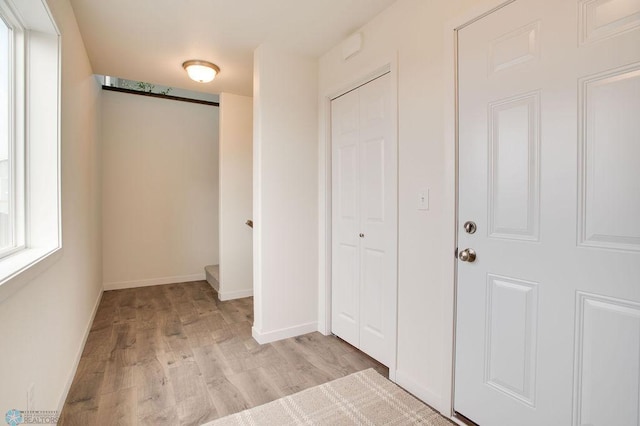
[[176, 355]]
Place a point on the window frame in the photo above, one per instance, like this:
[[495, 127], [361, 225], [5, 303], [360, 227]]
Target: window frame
[[35, 129], [16, 141]]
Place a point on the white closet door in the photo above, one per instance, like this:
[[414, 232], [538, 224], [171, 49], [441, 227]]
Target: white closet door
[[365, 219], [345, 246], [378, 220]]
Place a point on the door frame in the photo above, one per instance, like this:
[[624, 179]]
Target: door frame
[[451, 123], [388, 65]]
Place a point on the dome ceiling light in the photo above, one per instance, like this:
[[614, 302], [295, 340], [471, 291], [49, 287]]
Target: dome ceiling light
[[201, 71]]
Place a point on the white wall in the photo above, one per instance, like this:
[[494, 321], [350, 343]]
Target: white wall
[[285, 172], [236, 196], [43, 325], [160, 190], [413, 32]]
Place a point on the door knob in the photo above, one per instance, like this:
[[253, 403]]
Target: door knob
[[467, 255]]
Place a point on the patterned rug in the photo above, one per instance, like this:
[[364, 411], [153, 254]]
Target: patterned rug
[[363, 398]]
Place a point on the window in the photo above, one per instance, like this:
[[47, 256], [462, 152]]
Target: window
[[12, 195], [29, 142], [6, 139]]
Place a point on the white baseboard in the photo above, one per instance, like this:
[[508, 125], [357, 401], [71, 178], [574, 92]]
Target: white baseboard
[[76, 362], [283, 333], [407, 382], [230, 295], [154, 281]]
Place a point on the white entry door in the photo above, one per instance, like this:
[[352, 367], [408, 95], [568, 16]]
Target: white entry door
[[548, 314], [364, 219]]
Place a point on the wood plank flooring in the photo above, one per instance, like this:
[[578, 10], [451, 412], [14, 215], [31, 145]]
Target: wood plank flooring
[[176, 355]]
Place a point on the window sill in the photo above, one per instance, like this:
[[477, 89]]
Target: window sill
[[22, 267]]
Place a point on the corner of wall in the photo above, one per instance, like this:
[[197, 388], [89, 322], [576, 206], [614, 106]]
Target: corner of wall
[[285, 193]]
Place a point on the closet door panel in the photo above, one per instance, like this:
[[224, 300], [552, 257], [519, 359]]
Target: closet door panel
[[345, 247], [378, 220]]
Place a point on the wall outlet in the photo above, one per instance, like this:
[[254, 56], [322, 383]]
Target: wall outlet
[[423, 200], [31, 397]]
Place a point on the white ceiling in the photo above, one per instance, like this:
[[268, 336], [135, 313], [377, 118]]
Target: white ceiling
[[147, 40]]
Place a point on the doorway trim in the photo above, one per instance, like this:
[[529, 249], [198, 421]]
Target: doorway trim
[[449, 301], [387, 65]]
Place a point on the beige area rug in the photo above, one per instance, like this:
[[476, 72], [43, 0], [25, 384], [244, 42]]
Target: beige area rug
[[363, 398]]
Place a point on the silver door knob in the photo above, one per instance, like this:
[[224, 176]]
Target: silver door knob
[[467, 255]]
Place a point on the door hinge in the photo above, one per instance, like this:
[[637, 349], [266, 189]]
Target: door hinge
[[455, 254]]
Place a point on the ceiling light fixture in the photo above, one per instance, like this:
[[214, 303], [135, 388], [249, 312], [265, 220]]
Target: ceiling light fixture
[[201, 71]]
